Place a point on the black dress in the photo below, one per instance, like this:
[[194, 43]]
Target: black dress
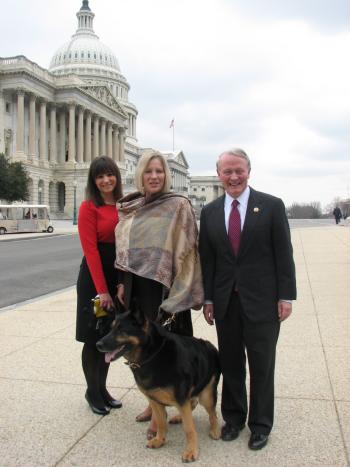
[[86, 322]]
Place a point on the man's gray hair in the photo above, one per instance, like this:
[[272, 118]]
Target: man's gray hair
[[235, 152]]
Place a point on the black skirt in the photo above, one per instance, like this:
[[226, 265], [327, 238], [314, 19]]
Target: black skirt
[[86, 322]]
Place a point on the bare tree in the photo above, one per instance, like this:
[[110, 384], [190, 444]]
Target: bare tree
[[305, 211]]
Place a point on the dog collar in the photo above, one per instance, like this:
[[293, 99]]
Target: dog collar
[[135, 365]]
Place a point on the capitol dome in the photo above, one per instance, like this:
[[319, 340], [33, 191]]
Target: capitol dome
[[85, 53], [95, 63], [82, 50]]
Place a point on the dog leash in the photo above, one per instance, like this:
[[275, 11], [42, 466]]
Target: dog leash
[[168, 321]]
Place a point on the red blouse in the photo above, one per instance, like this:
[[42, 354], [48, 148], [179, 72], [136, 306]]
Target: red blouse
[[96, 224]]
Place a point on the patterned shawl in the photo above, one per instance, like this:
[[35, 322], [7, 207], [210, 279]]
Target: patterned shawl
[[157, 239]]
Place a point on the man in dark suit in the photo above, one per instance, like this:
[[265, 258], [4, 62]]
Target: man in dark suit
[[249, 285]]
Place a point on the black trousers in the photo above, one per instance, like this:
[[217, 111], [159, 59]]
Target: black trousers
[[238, 339]]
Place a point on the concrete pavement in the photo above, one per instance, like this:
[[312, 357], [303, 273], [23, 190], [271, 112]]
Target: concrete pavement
[[45, 421]]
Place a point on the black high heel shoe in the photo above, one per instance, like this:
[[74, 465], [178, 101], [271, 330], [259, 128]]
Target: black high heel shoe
[[96, 410], [114, 403]]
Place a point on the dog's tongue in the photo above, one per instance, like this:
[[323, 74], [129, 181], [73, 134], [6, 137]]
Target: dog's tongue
[[110, 355]]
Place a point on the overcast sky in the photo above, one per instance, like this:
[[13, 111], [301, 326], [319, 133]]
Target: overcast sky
[[272, 77]]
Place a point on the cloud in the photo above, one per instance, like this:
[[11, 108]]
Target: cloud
[[324, 14]]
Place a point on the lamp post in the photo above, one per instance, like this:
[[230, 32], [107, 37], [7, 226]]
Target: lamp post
[[75, 202], [39, 192]]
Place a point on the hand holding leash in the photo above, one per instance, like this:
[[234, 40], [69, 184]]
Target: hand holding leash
[[106, 301]]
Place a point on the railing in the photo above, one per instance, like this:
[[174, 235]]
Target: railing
[[21, 62]]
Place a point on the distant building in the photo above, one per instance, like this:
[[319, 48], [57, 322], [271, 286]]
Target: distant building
[[203, 190], [179, 171]]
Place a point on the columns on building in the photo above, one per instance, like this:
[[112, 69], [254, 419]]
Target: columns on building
[[103, 138], [88, 137], [32, 126], [115, 144], [71, 133], [96, 136], [53, 134], [109, 140], [121, 145], [42, 146], [134, 126], [80, 136], [129, 126], [2, 122], [62, 155], [20, 122]]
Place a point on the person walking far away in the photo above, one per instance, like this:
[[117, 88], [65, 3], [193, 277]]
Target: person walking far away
[[337, 214], [98, 217], [249, 284]]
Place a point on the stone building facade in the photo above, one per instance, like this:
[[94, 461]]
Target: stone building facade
[[179, 170], [56, 121], [203, 190]]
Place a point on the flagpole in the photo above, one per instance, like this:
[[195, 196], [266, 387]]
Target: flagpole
[[172, 125], [173, 136]]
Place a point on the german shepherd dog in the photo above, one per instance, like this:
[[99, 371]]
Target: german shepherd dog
[[170, 370]]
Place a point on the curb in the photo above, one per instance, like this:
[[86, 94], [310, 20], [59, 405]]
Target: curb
[[19, 237]]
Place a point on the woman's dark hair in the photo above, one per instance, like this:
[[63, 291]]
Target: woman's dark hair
[[99, 166]]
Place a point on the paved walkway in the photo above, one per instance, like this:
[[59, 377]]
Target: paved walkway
[[45, 421]]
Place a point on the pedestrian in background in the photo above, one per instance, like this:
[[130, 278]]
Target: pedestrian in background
[[98, 217], [337, 214], [249, 283]]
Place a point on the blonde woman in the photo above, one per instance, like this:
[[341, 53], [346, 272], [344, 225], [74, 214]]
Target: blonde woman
[[156, 247]]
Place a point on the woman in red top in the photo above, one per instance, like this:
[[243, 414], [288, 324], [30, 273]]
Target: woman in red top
[[97, 220]]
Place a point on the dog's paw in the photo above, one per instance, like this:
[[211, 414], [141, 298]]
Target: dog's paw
[[215, 433], [190, 455], [155, 443]]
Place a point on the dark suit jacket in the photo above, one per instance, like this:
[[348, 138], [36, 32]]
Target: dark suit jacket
[[263, 271]]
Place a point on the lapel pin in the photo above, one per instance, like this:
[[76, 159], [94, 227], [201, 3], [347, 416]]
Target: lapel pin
[[256, 210]]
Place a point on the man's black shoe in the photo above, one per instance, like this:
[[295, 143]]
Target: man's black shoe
[[230, 432], [257, 441]]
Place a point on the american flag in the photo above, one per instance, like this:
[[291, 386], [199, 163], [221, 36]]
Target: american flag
[[171, 124]]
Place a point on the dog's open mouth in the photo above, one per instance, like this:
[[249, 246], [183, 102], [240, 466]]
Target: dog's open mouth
[[111, 356]]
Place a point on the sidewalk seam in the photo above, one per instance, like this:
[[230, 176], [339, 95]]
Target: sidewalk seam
[[81, 438]]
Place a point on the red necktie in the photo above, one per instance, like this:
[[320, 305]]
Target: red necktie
[[234, 226]]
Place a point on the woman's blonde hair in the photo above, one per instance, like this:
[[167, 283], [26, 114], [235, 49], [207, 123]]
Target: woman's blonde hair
[[142, 165]]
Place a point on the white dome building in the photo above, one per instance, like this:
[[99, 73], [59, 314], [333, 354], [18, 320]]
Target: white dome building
[[94, 62], [57, 121]]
